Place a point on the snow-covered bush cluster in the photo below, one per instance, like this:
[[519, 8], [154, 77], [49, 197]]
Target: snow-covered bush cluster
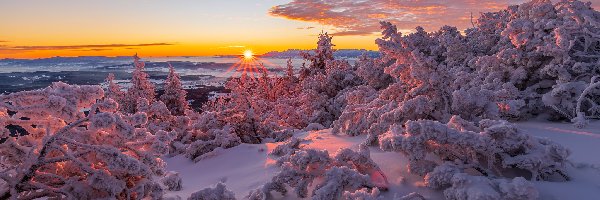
[[446, 93], [467, 156], [514, 64], [495, 148], [460, 185], [79, 142], [65, 152], [267, 106], [346, 174]]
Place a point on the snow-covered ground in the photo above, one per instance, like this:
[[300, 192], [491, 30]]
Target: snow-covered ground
[[246, 167]]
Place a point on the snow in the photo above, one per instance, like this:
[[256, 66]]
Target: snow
[[241, 168], [247, 166], [581, 142]]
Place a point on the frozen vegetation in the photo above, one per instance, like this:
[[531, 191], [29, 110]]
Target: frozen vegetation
[[438, 115]]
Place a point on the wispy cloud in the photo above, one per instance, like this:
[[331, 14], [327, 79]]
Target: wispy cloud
[[306, 28], [95, 49], [2, 41], [352, 32], [361, 17], [92, 47], [233, 46]]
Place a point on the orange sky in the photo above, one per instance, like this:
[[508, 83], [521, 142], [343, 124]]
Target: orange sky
[[43, 28], [39, 28]]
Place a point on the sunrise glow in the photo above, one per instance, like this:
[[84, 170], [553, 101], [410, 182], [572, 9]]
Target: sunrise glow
[[248, 54], [249, 64], [155, 28]]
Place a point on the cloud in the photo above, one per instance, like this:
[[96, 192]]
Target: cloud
[[306, 28], [95, 49], [233, 46], [2, 41], [92, 47], [357, 32], [362, 17]]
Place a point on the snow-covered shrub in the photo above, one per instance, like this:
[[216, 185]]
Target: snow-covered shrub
[[287, 148], [496, 149], [355, 120], [65, 152], [588, 103], [223, 138], [362, 194], [172, 181], [410, 196], [577, 101], [563, 98], [218, 192], [340, 179], [362, 162], [343, 173], [460, 185], [372, 71], [197, 134], [245, 111], [313, 127]]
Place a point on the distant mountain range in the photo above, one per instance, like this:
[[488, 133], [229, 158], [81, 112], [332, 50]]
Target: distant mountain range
[[344, 53], [290, 53]]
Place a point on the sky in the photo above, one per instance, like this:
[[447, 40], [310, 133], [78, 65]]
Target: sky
[[47, 28]]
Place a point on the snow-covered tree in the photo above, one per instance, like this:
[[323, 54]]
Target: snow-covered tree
[[65, 152], [113, 90], [290, 69], [141, 87], [174, 96], [319, 57]]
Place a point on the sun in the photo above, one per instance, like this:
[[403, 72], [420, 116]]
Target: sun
[[249, 64], [248, 54]]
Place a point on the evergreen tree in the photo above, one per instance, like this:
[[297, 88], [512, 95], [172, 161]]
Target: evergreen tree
[[141, 87], [113, 91], [174, 96]]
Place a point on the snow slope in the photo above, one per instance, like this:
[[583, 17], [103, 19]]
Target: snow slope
[[247, 166]]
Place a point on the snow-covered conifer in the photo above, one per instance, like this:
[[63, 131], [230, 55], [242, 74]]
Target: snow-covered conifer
[[320, 56], [174, 96], [141, 87], [113, 90]]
